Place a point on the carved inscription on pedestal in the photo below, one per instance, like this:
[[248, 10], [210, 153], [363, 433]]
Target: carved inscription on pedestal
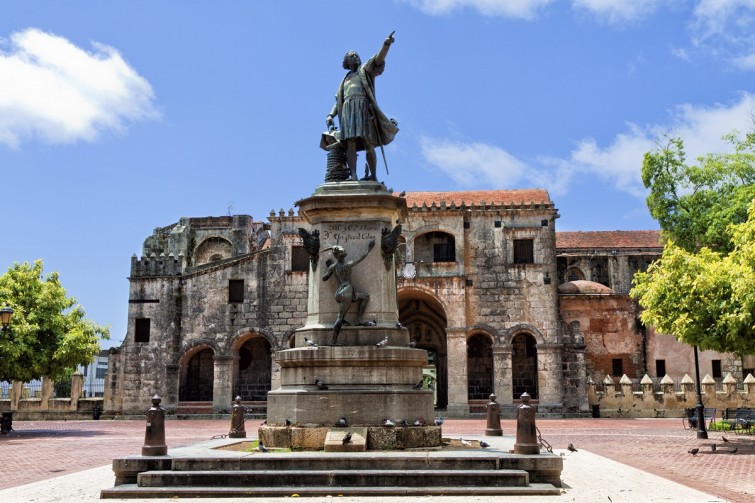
[[344, 233]]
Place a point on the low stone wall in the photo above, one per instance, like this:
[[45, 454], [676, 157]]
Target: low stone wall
[[617, 400], [45, 407]]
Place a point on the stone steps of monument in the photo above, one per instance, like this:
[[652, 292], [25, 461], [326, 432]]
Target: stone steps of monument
[[336, 462], [334, 478], [127, 491]]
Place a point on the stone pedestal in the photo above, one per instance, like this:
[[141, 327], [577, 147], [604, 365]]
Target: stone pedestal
[[363, 382]]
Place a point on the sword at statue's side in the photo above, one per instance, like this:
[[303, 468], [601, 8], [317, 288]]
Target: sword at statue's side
[[377, 133]]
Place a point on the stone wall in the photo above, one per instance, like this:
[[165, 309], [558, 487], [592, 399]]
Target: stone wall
[[619, 400]]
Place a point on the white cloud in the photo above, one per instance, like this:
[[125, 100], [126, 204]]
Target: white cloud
[[618, 164], [724, 29], [57, 92], [618, 11], [522, 9]]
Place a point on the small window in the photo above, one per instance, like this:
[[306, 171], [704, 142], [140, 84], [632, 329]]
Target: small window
[[497, 224], [235, 291], [141, 330], [617, 367], [660, 368], [716, 368], [444, 252], [524, 251], [100, 374], [299, 259]]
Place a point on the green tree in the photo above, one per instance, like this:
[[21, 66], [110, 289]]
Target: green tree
[[695, 204], [49, 333], [704, 298]]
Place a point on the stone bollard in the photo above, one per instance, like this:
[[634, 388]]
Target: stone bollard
[[237, 420], [493, 428], [154, 435], [526, 431]]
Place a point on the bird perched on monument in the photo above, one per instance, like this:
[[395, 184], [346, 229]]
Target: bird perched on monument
[[320, 384], [382, 343], [419, 422], [288, 422], [341, 423], [419, 384], [438, 421], [572, 448], [694, 451], [310, 343], [484, 444], [347, 438], [262, 447], [465, 443], [388, 423]]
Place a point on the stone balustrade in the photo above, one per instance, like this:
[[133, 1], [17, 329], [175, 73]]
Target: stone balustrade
[[621, 399]]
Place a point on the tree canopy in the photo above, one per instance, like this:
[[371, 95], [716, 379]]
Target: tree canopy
[[49, 332], [695, 204], [704, 298]]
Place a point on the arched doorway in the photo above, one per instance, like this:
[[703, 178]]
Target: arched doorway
[[425, 318], [479, 367], [524, 365], [197, 375], [253, 370]]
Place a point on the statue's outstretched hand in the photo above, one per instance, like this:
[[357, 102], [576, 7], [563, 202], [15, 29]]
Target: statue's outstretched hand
[[371, 244], [329, 122], [390, 39]]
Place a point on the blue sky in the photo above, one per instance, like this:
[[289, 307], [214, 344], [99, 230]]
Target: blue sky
[[119, 117]]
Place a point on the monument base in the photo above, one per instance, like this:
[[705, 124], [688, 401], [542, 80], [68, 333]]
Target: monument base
[[378, 438]]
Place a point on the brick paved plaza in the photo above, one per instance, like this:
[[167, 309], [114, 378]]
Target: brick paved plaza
[[42, 450]]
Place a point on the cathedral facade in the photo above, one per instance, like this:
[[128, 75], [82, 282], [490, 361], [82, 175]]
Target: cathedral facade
[[501, 302]]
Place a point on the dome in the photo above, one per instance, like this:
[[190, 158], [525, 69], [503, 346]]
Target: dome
[[584, 287]]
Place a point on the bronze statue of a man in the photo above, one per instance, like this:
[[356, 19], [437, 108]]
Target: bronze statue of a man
[[346, 294], [363, 124]]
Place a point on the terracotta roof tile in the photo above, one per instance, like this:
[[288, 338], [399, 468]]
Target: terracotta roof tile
[[469, 197], [608, 239]]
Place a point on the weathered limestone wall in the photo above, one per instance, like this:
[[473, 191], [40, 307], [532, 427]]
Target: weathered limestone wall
[[618, 399], [609, 327]]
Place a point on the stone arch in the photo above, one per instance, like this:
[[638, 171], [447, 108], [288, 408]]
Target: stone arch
[[480, 375], [524, 369], [211, 249], [424, 315], [197, 372], [507, 336], [244, 333], [252, 366], [434, 246]]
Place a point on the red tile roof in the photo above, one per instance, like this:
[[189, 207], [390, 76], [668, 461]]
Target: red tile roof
[[608, 239], [491, 197]]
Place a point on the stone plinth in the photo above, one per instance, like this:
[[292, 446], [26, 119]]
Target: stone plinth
[[378, 438], [365, 384], [350, 214]]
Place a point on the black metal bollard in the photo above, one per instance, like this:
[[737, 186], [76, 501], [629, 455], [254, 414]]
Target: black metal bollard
[[96, 412], [6, 423], [493, 428], [526, 430], [238, 419], [154, 435]]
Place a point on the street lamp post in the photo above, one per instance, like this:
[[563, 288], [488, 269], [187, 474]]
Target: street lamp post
[[6, 421], [699, 408], [5, 315]]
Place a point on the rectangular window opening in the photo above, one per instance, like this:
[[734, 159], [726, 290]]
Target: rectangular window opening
[[444, 252], [235, 291], [660, 368], [524, 251], [299, 259], [716, 368], [141, 330], [617, 369]]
